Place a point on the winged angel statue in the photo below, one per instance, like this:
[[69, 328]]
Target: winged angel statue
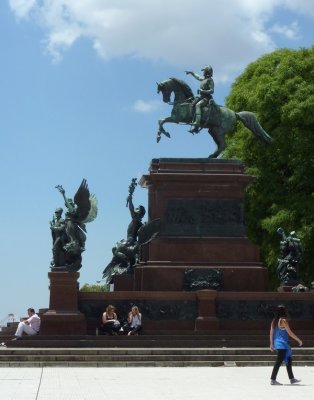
[[69, 234]]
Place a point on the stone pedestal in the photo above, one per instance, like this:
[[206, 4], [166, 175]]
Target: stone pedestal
[[284, 289], [204, 310], [200, 203], [201, 273], [63, 316], [207, 319]]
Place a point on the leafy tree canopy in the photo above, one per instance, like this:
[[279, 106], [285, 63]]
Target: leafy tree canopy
[[279, 88], [95, 288]]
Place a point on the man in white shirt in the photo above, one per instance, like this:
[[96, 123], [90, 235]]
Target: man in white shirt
[[30, 326]]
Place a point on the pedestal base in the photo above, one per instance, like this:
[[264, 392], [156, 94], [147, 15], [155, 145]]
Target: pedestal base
[[206, 324], [156, 277], [204, 310], [123, 282], [63, 316], [200, 203], [63, 323], [284, 289]]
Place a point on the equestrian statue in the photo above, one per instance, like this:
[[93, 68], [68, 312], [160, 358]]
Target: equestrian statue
[[201, 111]]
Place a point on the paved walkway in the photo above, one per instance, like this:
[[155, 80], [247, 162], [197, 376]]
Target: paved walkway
[[233, 383]]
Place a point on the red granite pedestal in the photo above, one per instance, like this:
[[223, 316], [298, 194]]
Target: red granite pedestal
[[200, 204], [63, 316]]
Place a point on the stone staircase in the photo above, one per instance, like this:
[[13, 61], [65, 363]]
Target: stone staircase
[[149, 339], [176, 349], [145, 357]]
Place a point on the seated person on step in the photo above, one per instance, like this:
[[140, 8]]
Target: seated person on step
[[134, 321], [30, 326], [110, 323]]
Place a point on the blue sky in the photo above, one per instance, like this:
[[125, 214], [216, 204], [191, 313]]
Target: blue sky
[[78, 100]]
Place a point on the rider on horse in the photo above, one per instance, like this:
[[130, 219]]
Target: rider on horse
[[205, 97]]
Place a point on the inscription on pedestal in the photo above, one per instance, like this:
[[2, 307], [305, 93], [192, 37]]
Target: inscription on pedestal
[[204, 217], [200, 279]]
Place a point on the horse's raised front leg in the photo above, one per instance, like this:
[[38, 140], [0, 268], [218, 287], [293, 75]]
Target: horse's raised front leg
[[219, 139], [161, 130]]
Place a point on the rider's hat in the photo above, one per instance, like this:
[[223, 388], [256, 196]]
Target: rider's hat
[[208, 68]]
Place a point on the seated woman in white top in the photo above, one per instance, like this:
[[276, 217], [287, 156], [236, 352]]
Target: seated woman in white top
[[135, 321]]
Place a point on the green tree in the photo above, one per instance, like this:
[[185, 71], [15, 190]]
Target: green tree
[[95, 288], [279, 88]]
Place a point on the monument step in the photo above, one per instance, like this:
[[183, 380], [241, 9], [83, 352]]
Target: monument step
[[9, 329], [298, 351], [197, 335], [142, 364], [147, 357], [190, 335], [144, 341]]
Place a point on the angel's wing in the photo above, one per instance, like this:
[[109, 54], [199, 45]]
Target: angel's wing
[[82, 200], [108, 271], [93, 209], [115, 267], [148, 231]]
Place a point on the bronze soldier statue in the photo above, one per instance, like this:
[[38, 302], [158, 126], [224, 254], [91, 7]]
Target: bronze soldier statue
[[204, 97]]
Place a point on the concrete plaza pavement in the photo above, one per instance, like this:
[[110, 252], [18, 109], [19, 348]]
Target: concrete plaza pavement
[[152, 383]]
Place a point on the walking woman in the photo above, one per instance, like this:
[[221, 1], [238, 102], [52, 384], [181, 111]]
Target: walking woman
[[279, 332]]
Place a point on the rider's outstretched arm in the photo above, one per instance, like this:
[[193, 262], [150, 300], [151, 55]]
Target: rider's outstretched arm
[[196, 76]]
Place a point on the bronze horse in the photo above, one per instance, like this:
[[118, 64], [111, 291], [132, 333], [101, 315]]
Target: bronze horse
[[219, 120]]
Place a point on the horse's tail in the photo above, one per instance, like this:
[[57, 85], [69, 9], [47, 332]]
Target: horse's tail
[[250, 121]]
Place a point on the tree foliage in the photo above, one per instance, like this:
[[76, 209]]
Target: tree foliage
[[279, 88], [95, 288]]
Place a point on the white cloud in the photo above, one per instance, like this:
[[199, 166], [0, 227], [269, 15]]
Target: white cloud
[[61, 40], [22, 7], [228, 33], [145, 106], [289, 31], [305, 7]]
